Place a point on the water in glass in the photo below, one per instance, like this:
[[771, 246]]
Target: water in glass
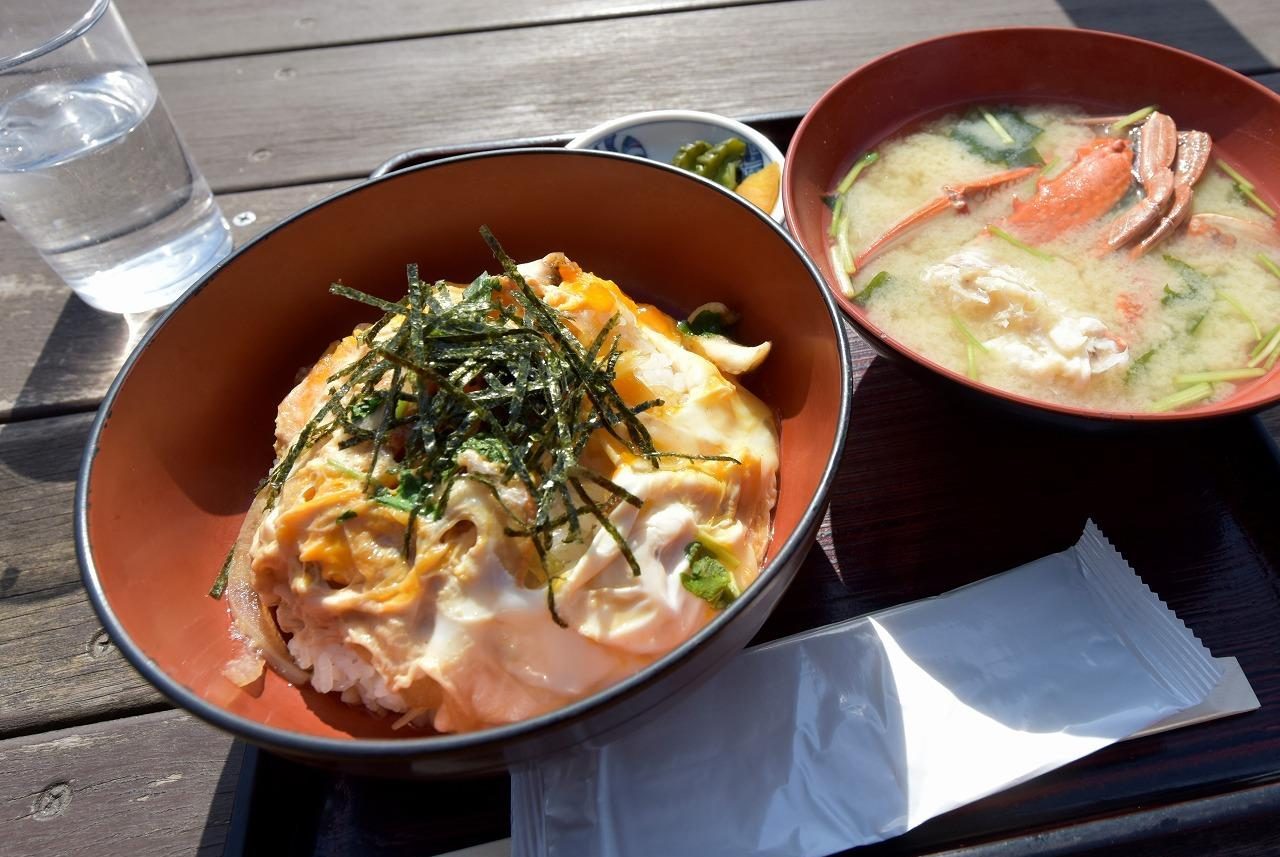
[[93, 174]]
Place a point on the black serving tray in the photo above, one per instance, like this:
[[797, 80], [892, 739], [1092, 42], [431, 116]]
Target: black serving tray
[[934, 493]]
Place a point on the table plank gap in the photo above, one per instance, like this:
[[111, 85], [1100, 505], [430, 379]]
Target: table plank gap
[[158, 783]]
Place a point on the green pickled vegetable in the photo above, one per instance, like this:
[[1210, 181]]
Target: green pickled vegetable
[[687, 155], [729, 173], [711, 164]]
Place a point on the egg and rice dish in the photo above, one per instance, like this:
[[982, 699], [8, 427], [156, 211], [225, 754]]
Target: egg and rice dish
[[503, 497]]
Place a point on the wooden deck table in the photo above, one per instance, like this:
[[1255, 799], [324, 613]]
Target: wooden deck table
[[283, 103]]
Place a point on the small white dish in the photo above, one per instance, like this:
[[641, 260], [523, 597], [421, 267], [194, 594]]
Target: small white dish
[[657, 134]]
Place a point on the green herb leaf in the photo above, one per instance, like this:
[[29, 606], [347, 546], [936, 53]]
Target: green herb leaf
[[488, 447], [1140, 363], [704, 323], [1020, 244], [366, 405], [707, 578], [411, 486], [1195, 282], [1219, 376], [980, 128], [1182, 398], [1265, 261], [880, 280], [347, 515]]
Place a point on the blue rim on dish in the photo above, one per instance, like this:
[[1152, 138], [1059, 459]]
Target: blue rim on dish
[[790, 552]]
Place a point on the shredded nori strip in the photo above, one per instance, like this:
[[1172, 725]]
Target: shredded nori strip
[[224, 575], [495, 371]]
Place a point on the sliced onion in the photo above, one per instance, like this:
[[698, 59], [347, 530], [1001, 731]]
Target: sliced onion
[[244, 669], [252, 618]]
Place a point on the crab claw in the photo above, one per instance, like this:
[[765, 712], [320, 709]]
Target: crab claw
[[1193, 157], [953, 197], [1158, 143]]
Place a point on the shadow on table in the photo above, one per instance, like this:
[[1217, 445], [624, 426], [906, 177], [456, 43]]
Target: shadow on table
[[222, 835], [1192, 25], [81, 352], [80, 356], [932, 493], [289, 809]]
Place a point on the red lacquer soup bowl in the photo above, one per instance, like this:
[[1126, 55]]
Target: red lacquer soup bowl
[[1102, 72]]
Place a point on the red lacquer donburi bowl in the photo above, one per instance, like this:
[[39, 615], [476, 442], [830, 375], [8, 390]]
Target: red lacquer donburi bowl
[[186, 430]]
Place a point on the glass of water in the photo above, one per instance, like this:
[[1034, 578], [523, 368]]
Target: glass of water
[[92, 171]]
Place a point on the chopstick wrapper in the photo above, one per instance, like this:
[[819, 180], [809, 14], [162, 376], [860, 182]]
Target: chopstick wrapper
[[859, 731]]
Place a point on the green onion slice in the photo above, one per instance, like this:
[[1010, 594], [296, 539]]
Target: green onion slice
[[1182, 398], [1021, 245], [1132, 119], [1218, 376]]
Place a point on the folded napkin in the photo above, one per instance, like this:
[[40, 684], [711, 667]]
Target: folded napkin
[[859, 731]]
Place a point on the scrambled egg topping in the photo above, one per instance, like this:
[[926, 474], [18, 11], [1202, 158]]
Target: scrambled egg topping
[[459, 636]]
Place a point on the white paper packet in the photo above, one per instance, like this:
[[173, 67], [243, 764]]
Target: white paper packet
[[859, 731]]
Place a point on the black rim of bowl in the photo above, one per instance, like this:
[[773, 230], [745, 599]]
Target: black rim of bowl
[[374, 749]]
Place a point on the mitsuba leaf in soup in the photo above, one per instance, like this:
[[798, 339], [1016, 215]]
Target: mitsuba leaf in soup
[[999, 135]]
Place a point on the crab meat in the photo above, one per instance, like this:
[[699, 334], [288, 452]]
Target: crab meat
[[980, 288], [1042, 339], [1073, 350], [1225, 229]]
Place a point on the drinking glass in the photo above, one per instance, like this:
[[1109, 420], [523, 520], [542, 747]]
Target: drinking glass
[[92, 171]]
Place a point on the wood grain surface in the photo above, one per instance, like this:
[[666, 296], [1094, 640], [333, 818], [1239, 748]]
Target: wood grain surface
[[313, 115], [226, 27], [59, 354], [155, 784], [57, 666]]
